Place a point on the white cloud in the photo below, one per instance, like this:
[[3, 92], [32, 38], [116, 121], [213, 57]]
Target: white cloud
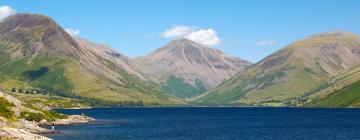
[[6, 11], [206, 37], [73, 32], [177, 31], [266, 42]]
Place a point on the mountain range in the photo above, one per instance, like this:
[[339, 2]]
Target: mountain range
[[37, 54]]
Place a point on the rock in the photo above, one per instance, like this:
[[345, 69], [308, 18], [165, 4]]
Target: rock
[[31, 127], [19, 134]]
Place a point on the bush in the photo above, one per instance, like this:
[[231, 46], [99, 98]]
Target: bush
[[30, 116], [55, 115], [13, 89], [5, 108]]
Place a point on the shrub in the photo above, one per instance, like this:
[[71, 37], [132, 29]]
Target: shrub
[[30, 116], [55, 115], [5, 108], [13, 89]]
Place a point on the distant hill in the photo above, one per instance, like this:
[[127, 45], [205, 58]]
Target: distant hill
[[186, 69], [291, 74]]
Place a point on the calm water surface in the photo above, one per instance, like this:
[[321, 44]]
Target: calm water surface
[[209, 123]]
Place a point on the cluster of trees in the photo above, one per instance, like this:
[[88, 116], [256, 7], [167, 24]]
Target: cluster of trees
[[101, 103], [29, 91]]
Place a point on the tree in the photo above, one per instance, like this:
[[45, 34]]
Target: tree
[[20, 90], [13, 89]]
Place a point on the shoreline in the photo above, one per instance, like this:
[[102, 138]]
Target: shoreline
[[26, 130], [220, 106]]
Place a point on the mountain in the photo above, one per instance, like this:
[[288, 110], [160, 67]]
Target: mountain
[[36, 53], [291, 74], [185, 68]]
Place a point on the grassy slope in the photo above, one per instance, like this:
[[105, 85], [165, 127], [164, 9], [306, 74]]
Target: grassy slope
[[266, 93], [260, 85], [177, 87], [343, 91], [64, 78], [346, 97]]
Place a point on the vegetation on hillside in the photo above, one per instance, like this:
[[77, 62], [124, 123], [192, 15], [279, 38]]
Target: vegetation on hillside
[[177, 87], [5, 108]]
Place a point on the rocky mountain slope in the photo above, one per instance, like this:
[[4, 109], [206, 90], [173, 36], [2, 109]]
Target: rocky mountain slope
[[37, 53], [290, 74], [185, 68]]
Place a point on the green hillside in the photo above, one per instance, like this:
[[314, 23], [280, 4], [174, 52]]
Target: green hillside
[[177, 87], [291, 74], [343, 91]]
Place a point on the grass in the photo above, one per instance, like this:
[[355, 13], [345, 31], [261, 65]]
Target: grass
[[177, 87], [346, 97], [43, 72]]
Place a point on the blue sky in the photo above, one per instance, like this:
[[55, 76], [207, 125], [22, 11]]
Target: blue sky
[[249, 29]]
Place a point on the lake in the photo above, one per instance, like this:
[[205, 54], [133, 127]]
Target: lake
[[213, 123]]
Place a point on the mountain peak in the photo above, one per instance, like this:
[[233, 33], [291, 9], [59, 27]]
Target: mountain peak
[[332, 34], [183, 42], [31, 34], [26, 21]]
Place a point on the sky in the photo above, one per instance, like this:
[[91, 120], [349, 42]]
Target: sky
[[249, 29]]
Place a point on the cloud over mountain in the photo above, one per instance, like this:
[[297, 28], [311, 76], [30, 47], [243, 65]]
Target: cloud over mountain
[[73, 32], [6, 11], [207, 37]]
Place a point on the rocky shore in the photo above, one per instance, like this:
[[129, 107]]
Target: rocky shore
[[27, 130], [16, 127]]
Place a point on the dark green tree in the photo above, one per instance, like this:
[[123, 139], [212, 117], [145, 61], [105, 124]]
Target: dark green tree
[[21, 90], [13, 89]]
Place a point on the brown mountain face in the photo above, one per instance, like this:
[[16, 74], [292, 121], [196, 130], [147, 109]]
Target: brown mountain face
[[109, 54], [290, 74], [185, 68], [25, 35]]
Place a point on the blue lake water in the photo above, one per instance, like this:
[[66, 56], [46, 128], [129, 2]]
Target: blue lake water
[[208, 123]]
